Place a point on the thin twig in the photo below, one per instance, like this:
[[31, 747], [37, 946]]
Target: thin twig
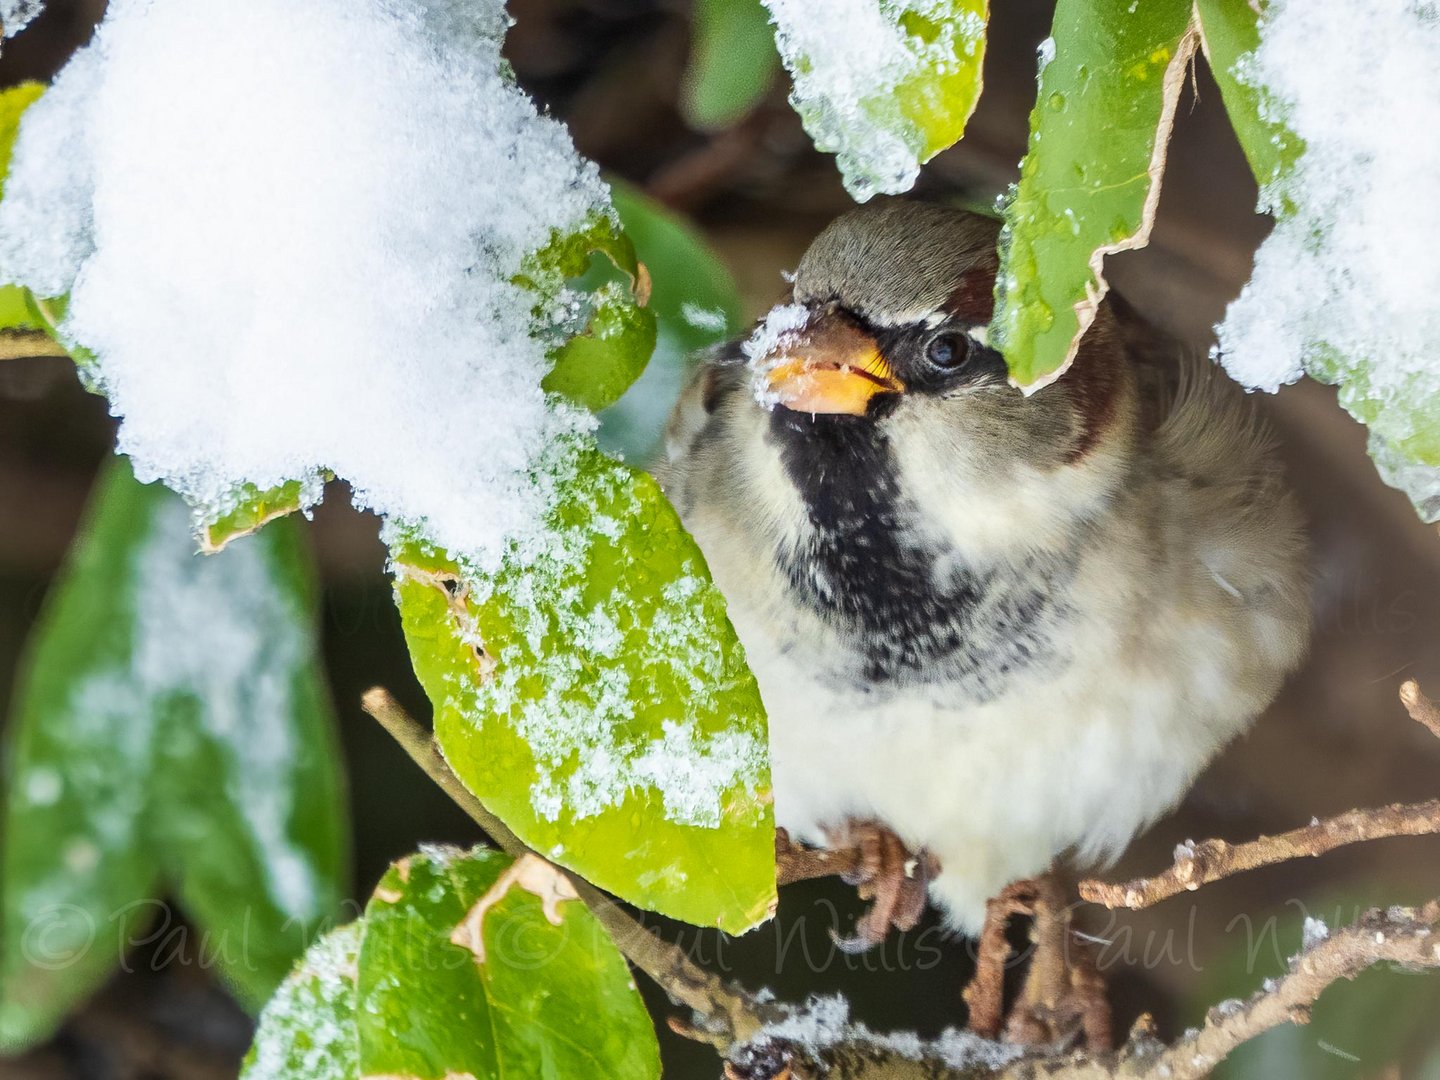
[[1401, 936], [1200, 864], [730, 1015], [1421, 709], [27, 344]]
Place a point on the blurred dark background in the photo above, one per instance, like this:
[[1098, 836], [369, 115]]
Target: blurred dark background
[[1337, 738]]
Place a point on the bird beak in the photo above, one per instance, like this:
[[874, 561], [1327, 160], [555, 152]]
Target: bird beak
[[830, 366]]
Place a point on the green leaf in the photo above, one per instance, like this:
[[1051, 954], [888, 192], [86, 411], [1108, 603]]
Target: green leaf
[[732, 63], [1230, 29], [1091, 176], [308, 1030], [171, 726], [251, 508], [911, 102], [594, 367], [696, 305], [15, 310], [475, 966], [596, 698], [13, 103]]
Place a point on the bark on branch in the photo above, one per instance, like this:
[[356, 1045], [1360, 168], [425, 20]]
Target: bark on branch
[[1210, 860], [1402, 936]]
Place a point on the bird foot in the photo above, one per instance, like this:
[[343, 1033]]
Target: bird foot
[[1063, 999], [871, 857], [885, 872]]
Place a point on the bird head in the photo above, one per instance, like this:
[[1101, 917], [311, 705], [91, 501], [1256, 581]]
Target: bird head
[[891, 299], [873, 393], [886, 331]]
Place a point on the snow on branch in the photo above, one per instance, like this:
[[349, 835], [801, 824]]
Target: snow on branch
[[814, 1043]]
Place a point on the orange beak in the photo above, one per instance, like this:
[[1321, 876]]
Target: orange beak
[[833, 367]]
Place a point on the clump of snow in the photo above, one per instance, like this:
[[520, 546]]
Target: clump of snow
[[848, 58], [294, 251], [824, 1023], [708, 320], [765, 348], [1345, 287], [15, 15], [1044, 55], [1313, 932]]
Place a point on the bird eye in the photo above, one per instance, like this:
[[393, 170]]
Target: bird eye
[[947, 350]]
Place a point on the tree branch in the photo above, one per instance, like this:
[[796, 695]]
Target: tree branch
[[1403, 936], [729, 1014], [1421, 709], [1210, 860]]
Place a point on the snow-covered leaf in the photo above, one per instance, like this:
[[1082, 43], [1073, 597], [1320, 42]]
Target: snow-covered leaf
[[885, 85], [732, 62], [1344, 287], [696, 304], [594, 696], [595, 366], [1110, 77], [474, 965], [172, 726], [308, 1031], [343, 273], [247, 509]]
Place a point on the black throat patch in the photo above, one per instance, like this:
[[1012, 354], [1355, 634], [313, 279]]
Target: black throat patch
[[913, 612]]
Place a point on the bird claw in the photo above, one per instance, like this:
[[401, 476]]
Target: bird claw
[[888, 874]]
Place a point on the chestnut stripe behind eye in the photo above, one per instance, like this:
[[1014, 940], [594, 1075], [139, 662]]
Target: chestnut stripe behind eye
[[973, 300], [1095, 382]]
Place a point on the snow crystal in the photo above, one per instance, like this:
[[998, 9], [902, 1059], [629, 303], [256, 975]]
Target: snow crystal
[[847, 58], [708, 320], [824, 1022], [287, 264], [15, 15], [1345, 286]]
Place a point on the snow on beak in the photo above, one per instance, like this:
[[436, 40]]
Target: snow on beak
[[828, 365]]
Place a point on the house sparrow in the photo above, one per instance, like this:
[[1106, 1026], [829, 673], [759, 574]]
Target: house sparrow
[[992, 628]]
